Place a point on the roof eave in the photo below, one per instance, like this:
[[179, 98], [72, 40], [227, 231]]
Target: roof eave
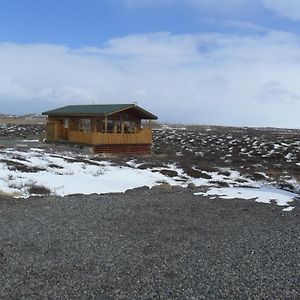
[[72, 114], [150, 116], [145, 114]]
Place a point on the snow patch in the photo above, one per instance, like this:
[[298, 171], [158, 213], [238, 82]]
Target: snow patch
[[290, 208], [64, 175], [262, 195]]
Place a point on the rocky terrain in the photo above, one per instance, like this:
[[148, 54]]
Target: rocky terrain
[[173, 241], [271, 155], [267, 155], [31, 119]]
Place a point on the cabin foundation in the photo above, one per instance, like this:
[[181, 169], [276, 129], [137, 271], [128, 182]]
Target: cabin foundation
[[126, 149]]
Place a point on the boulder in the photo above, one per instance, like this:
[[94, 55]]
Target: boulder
[[163, 186]]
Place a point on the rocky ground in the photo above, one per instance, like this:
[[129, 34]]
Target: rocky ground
[[147, 244], [259, 154], [163, 243], [271, 155]]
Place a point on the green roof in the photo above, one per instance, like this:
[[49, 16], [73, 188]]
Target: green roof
[[98, 109]]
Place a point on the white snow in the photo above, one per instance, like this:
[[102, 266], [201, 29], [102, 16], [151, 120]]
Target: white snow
[[289, 157], [64, 173], [263, 174], [230, 179], [68, 177], [290, 208], [262, 194]]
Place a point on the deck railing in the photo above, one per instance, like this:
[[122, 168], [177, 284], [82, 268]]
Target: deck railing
[[144, 136]]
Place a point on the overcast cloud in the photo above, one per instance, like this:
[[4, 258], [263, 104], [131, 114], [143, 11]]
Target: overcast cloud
[[286, 8], [226, 66], [205, 78]]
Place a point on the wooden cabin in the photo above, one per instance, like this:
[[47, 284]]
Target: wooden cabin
[[108, 128]]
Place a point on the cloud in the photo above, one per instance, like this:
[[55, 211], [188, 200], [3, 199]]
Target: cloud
[[285, 8], [200, 78], [275, 92], [242, 25]]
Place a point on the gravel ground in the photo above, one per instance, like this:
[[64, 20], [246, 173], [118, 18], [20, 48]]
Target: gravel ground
[[147, 244]]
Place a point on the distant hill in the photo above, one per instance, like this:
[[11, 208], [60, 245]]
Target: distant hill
[[23, 119]]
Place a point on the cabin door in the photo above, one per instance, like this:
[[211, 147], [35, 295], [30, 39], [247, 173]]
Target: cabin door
[[52, 132], [65, 129]]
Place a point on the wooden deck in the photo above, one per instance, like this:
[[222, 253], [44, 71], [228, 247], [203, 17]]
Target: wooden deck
[[144, 136]]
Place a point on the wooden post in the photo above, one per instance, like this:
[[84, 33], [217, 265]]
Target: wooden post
[[122, 126], [94, 129], [55, 132], [149, 124], [106, 124]]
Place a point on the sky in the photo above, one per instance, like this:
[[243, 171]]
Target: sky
[[221, 62]]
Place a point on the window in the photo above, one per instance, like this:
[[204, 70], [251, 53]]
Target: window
[[110, 126], [85, 125], [129, 126], [66, 123]]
